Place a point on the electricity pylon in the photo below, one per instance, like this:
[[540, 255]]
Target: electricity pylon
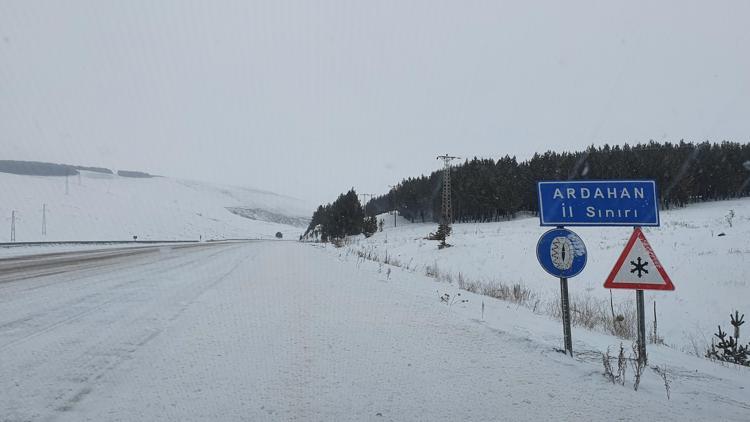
[[446, 214], [395, 212], [364, 196]]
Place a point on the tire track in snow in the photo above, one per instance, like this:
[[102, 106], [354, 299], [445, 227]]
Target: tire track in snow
[[112, 360], [83, 300], [137, 312]]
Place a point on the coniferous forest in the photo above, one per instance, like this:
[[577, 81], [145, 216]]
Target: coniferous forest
[[491, 190], [344, 217]]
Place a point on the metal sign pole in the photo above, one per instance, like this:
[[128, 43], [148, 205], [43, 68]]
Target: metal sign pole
[[641, 311], [565, 303], [641, 326], [563, 255]]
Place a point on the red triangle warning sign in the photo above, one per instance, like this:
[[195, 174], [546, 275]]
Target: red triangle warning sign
[[638, 267]]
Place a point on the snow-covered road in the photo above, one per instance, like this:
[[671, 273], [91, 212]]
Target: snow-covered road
[[286, 331]]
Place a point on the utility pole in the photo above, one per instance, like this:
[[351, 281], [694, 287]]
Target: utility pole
[[364, 196], [13, 226], [44, 220], [67, 189], [393, 188], [446, 214]]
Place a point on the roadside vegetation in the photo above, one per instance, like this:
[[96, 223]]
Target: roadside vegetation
[[586, 311]]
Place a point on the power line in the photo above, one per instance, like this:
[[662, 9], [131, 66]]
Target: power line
[[365, 195]]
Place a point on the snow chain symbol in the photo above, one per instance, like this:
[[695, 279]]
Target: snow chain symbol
[[561, 252]]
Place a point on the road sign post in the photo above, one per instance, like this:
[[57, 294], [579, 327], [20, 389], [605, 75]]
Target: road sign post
[[602, 203], [638, 268], [562, 254], [565, 304], [641, 326]]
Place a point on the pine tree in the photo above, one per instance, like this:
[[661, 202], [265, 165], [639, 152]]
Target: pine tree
[[728, 348]]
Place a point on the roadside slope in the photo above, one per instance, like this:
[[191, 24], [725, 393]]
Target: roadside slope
[[707, 259]]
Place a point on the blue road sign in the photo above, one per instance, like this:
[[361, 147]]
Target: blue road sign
[[598, 203], [561, 253]]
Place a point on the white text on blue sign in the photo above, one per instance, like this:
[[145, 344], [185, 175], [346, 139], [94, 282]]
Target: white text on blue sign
[[598, 203]]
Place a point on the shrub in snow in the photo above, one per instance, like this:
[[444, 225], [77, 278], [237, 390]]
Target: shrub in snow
[[369, 226], [452, 300], [729, 217], [639, 363], [729, 349], [443, 231], [622, 364], [638, 366], [662, 372]]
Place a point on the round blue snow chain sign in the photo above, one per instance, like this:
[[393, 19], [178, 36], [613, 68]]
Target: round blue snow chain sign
[[561, 253]]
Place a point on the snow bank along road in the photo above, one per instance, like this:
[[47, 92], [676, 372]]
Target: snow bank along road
[[287, 331]]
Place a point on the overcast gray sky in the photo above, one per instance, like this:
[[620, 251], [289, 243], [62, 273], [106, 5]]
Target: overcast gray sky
[[310, 98]]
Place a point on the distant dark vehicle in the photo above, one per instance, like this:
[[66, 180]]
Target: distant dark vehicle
[[279, 235]]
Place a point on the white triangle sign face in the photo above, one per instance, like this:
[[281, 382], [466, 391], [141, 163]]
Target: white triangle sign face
[[638, 267]]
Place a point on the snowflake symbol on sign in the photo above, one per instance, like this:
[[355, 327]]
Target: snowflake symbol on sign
[[639, 267]]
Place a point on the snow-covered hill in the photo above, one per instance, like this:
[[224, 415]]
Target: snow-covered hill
[[708, 261], [100, 206]]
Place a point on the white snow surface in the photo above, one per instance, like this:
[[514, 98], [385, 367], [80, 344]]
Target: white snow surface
[[284, 331], [109, 207], [711, 272]]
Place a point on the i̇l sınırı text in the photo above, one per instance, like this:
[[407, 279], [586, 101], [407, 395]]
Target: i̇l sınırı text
[[598, 193]]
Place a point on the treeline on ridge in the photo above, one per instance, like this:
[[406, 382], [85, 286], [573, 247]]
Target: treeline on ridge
[[38, 168], [491, 190], [485, 190]]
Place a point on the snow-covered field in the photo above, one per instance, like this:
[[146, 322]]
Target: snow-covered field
[[711, 272], [288, 331], [109, 207]]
